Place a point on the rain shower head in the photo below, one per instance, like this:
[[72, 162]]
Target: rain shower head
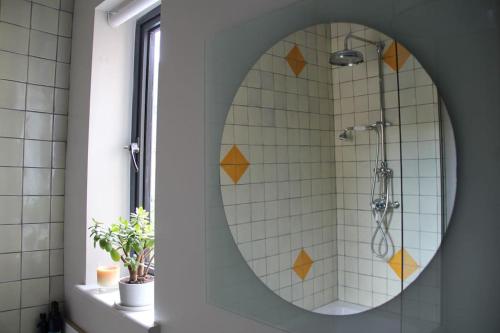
[[350, 57], [346, 58]]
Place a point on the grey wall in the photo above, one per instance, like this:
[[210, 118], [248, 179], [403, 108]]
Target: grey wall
[[469, 267]]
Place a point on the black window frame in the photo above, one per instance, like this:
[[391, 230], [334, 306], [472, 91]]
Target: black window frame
[[141, 114]]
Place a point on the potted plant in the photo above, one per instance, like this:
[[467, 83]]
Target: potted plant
[[131, 242]]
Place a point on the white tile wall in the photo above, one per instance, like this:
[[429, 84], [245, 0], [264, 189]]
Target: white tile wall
[[283, 124], [363, 278], [35, 46]]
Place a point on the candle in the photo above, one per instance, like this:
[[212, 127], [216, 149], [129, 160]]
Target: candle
[[107, 276]]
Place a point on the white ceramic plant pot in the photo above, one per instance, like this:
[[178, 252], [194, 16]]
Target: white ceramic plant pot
[[136, 295]]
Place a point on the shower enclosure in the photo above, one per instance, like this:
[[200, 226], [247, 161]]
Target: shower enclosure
[[330, 169]]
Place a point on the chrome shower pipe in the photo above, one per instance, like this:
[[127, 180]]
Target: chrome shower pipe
[[350, 35]]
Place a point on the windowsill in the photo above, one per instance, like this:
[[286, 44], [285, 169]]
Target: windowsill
[[107, 299]]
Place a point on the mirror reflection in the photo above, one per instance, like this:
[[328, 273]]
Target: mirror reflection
[[337, 168]]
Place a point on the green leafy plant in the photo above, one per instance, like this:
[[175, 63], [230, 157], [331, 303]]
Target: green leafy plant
[[131, 242]]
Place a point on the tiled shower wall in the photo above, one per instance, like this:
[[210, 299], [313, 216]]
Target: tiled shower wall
[[277, 169], [364, 278], [35, 45]]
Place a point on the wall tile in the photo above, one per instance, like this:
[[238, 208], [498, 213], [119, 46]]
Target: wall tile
[[57, 182], [38, 126], [44, 19], [57, 209], [37, 153], [50, 3], [9, 321], [65, 24], [40, 98], [35, 264], [12, 94], [43, 45], [16, 12], [62, 75], [12, 267], [10, 238], [41, 71], [13, 38], [34, 292], [35, 237], [12, 152], [11, 181], [59, 155], [36, 209], [56, 262], [11, 123], [60, 128], [13, 66], [10, 209], [64, 49], [9, 295], [36, 181], [61, 101], [56, 235], [67, 5], [57, 288]]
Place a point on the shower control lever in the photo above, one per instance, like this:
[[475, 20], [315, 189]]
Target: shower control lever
[[134, 149]]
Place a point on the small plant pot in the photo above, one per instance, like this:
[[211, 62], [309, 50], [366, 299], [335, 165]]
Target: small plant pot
[[136, 295]]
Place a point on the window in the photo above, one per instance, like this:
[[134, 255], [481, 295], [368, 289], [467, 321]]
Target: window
[[143, 146]]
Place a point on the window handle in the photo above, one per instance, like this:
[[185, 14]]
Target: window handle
[[134, 149]]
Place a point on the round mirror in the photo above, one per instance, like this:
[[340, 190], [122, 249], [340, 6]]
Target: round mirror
[[337, 168]]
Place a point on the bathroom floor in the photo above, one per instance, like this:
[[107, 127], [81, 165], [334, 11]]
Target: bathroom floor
[[341, 308]]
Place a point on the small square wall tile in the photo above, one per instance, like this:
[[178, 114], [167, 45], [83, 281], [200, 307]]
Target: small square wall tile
[[60, 128], [11, 123], [41, 71], [40, 98], [62, 75], [38, 126], [59, 155], [9, 295], [9, 321], [64, 49], [36, 181], [12, 261], [57, 208], [34, 292], [57, 288], [61, 101], [49, 3], [44, 19], [30, 317], [13, 66], [35, 264], [11, 152], [36, 237], [37, 153], [14, 38], [67, 5], [56, 262], [57, 182], [10, 238], [56, 235], [65, 24], [12, 94], [11, 181], [43, 45], [10, 209], [36, 209], [16, 12]]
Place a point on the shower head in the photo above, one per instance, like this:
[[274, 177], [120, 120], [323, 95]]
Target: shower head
[[350, 57], [346, 57]]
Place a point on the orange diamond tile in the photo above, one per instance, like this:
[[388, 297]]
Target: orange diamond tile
[[390, 56], [403, 264], [296, 60], [234, 164], [302, 264]]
